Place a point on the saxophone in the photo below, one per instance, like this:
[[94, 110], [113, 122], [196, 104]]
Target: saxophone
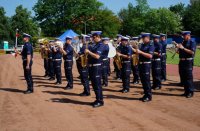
[[84, 58], [117, 59], [135, 57]]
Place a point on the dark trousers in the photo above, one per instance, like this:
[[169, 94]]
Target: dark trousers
[[126, 71], [46, 66], [68, 72], [95, 75], [51, 68], [163, 67], [57, 69], [135, 71], [78, 65], [105, 72], [186, 68], [156, 73], [109, 69], [28, 75], [144, 70], [85, 79], [118, 71]]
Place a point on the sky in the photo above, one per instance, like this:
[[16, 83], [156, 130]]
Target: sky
[[114, 5]]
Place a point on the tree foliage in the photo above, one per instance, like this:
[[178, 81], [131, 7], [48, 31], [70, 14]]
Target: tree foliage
[[23, 21], [55, 16], [191, 18], [5, 30], [141, 18]]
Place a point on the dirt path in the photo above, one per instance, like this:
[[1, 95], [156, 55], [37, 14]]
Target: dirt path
[[51, 108]]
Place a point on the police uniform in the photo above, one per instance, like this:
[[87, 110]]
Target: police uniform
[[28, 50], [156, 64], [135, 68], [68, 63], [50, 63], [144, 68], [126, 64], [84, 74], [95, 68], [105, 64], [57, 61], [163, 58], [118, 71], [186, 65]]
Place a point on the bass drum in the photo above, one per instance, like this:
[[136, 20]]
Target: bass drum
[[112, 50]]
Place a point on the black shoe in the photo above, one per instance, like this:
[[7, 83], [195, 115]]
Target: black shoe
[[163, 80], [125, 91], [179, 84], [145, 99], [104, 85], [189, 95], [68, 88], [98, 104], [156, 88], [58, 83], [51, 79], [85, 94], [135, 82], [28, 92]]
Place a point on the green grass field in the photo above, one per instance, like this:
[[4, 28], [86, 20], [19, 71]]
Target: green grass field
[[176, 58]]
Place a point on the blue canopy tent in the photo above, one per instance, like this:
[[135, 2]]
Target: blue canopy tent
[[70, 33]]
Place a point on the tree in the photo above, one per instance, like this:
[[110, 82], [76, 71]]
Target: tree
[[5, 30], [191, 18], [142, 18], [162, 20], [178, 9], [23, 21]]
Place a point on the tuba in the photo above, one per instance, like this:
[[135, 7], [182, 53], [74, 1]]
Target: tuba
[[135, 57]]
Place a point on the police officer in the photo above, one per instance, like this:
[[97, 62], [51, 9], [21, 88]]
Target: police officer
[[50, 61], [156, 63], [135, 68], [118, 71], [44, 53], [27, 57], [186, 54], [84, 68], [125, 52], [95, 66], [163, 42], [57, 61], [105, 64], [68, 62], [145, 55]]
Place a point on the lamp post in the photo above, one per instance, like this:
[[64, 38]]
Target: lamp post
[[85, 23], [16, 36]]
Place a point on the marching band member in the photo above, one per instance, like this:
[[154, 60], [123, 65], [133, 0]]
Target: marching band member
[[117, 70], [95, 67], [68, 62], [57, 61], [124, 51], [145, 55], [186, 54], [84, 68], [50, 61], [134, 68], [163, 42], [156, 63], [105, 63]]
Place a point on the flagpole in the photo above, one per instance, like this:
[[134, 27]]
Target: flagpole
[[16, 35]]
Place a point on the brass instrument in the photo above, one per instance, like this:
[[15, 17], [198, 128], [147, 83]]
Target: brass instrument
[[135, 57], [175, 44], [44, 47], [117, 58], [84, 57]]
